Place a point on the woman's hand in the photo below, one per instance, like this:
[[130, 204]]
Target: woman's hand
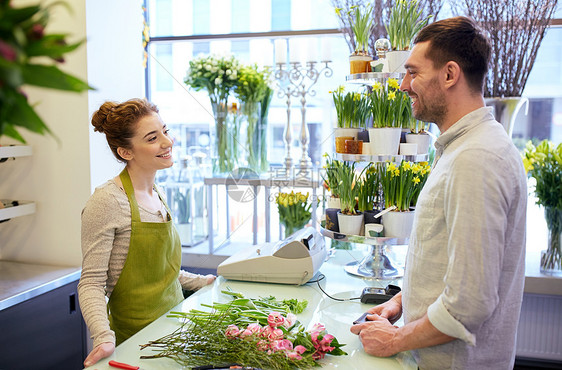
[[101, 351], [210, 278]]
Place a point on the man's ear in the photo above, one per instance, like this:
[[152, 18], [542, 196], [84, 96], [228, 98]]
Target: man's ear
[[126, 154], [452, 72]]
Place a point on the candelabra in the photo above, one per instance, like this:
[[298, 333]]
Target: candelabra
[[297, 80]]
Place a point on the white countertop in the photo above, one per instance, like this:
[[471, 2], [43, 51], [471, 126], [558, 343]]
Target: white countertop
[[336, 316]]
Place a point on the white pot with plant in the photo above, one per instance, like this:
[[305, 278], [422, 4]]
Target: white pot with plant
[[418, 135], [360, 18], [387, 105], [405, 22], [350, 221], [401, 186], [352, 111]]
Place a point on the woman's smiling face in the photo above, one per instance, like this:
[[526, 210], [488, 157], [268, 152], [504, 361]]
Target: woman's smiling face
[[151, 146]]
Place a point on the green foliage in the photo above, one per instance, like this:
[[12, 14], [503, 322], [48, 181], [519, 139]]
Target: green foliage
[[402, 184], [404, 23], [544, 163], [362, 24], [352, 108], [330, 175], [368, 188], [23, 45], [348, 187], [390, 107]]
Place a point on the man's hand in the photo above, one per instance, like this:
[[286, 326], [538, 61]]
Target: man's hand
[[377, 335], [101, 351], [391, 309]]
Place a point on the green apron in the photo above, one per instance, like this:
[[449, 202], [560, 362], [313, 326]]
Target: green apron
[[148, 285]]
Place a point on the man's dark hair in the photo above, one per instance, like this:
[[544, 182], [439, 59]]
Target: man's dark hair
[[458, 39]]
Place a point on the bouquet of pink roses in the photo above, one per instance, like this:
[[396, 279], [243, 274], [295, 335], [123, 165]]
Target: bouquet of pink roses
[[260, 332]]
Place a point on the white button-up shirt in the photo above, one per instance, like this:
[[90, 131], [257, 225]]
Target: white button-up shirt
[[465, 266]]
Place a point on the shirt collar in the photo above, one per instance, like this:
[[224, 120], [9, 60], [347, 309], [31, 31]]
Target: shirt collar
[[463, 125]]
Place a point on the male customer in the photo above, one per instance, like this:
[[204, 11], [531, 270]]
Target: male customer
[[464, 275]]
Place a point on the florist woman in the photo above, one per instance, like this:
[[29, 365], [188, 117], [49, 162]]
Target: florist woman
[[131, 250]]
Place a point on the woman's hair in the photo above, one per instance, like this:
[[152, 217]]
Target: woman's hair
[[118, 121]]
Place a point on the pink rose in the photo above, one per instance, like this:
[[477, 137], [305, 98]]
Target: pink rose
[[232, 331], [255, 328], [246, 334], [294, 355], [271, 333], [275, 319], [262, 345]]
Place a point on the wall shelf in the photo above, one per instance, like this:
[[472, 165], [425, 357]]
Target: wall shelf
[[22, 209], [13, 151]]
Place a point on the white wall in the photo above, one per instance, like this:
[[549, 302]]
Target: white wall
[[60, 178]]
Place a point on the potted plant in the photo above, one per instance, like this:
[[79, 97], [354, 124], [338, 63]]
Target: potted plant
[[418, 135], [350, 221], [353, 112], [361, 21], [331, 182], [387, 108], [544, 164], [368, 191], [294, 211], [401, 185], [406, 20], [30, 56]]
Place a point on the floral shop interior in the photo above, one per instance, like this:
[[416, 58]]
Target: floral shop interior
[[298, 153]]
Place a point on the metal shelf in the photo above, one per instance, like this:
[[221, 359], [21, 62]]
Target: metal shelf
[[363, 239], [14, 151], [371, 77], [381, 158], [22, 209]]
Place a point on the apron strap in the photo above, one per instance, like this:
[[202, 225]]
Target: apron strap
[[162, 199], [128, 186]]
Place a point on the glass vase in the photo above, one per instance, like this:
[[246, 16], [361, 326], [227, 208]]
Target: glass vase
[[551, 258], [224, 153], [251, 114]]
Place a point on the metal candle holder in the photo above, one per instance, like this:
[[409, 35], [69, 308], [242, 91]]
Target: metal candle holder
[[297, 80]]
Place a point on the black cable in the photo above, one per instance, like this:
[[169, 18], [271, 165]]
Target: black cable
[[322, 277]]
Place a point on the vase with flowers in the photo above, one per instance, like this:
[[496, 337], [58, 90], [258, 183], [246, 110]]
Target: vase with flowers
[[294, 211], [350, 220], [389, 107], [251, 89], [30, 56], [405, 21], [401, 186], [360, 17], [544, 164], [218, 75]]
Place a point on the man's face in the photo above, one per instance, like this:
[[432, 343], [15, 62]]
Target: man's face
[[422, 85]]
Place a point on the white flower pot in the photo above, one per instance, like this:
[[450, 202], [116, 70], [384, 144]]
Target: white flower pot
[[408, 148], [340, 131], [422, 140], [398, 224], [384, 140], [396, 60], [333, 202], [350, 224]]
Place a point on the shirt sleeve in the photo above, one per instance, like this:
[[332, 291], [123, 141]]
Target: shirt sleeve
[[476, 204], [98, 232]]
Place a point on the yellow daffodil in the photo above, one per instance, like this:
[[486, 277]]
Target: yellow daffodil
[[392, 82], [338, 12], [391, 95], [416, 180], [377, 86]]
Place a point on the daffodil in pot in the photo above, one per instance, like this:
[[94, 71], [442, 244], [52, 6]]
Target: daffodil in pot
[[361, 21], [401, 185], [369, 186], [350, 221], [406, 20], [418, 135], [294, 211], [331, 182], [544, 164], [218, 75], [387, 104]]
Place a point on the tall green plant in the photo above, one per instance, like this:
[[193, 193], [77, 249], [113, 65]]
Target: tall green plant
[[390, 107], [368, 188], [348, 187], [352, 108], [330, 175], [30, 56], [362, 25], [405, 22]]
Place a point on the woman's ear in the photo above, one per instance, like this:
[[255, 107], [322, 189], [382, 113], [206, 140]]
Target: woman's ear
[[126, 154]]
